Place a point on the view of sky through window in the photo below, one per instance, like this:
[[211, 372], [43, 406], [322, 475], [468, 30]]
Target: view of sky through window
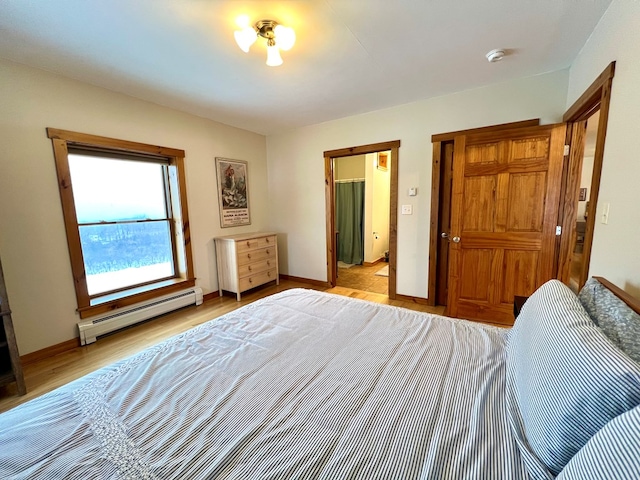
[[136, 249], [107, 190]]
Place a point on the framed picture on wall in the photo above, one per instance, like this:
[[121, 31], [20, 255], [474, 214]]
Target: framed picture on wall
[[383, 160], [233, 192], [583, 194]]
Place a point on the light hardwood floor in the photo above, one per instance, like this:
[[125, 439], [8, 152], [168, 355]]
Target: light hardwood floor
[[44, 375]]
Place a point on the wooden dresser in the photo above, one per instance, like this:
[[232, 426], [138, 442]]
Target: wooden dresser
[[10, 366], [246, 261]]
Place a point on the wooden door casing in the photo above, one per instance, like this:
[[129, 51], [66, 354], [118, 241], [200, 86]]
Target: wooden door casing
[[444, 225], [329, 156], [505, 199]]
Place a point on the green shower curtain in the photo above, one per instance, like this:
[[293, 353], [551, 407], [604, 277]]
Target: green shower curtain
[[350, 221]]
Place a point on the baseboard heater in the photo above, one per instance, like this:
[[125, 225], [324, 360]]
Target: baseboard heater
[[123, 317]]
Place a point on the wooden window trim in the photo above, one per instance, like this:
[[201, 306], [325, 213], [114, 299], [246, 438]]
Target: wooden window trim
[[89, 305]]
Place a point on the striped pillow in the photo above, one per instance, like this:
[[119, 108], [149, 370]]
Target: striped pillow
[[613, 452], [565, 379]]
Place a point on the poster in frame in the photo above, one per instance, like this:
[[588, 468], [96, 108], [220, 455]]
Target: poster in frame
[[583, 195], [233, 192], [383, 161]]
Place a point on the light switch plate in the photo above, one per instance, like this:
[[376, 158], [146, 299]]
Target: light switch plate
[[407, 209], [413, 191], [605, 214]]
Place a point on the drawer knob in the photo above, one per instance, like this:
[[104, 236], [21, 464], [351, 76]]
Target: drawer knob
[[249, 267], [267, 239], [251, 280], [248, 243], [249, 255], [268, 252], [268, 274], [268, 263]]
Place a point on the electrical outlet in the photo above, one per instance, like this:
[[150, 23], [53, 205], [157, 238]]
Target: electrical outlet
[[407, 209]]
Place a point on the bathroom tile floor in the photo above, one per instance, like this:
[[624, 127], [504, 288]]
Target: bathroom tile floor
[[361, 277]]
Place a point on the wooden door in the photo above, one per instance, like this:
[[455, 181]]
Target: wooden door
[[504, 212], [444, 224]]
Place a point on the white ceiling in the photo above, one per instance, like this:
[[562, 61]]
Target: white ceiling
[[351, 56]]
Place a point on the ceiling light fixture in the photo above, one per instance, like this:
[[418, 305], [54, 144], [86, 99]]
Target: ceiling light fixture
[[278, 37], [495, 55]]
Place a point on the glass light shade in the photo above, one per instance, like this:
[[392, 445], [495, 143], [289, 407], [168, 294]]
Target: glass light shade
[[243, 21], [245, 38], [285, 37], [273, 56]]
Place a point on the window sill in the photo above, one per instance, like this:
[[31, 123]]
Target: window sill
[[125, 298]]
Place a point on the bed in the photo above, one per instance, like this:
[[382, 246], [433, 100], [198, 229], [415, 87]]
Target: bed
[[309, 385]]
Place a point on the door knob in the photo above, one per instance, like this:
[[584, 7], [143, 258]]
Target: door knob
[[455, 239]]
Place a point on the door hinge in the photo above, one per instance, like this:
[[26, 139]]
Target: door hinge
[[558, 230], [566, 150]]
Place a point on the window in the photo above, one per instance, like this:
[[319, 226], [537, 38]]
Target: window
[[126, 219]]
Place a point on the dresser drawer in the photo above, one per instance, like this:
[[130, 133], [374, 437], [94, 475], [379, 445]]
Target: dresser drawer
[[256, 267], [253, 256], [258, 279], [246, 261], [255, 243]]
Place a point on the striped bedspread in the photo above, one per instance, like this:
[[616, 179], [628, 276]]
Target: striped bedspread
[[299, 385]]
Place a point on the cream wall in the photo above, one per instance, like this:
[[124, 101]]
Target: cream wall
[[33, 245], [380, 186], [347, 168], [376, 210], [615, 245], [296, 167]]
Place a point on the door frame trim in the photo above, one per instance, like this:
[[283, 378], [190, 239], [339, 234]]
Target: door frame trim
[[597, 96], [438, 140], [329, 155]]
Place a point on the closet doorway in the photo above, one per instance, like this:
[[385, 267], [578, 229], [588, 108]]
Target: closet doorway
[[361, 202]]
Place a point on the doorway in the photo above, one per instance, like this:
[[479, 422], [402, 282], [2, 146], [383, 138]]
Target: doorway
[[362, 191], [381, 156], [587, 126], [584, 202], [505, 197], [441, 188], [589, 111]]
